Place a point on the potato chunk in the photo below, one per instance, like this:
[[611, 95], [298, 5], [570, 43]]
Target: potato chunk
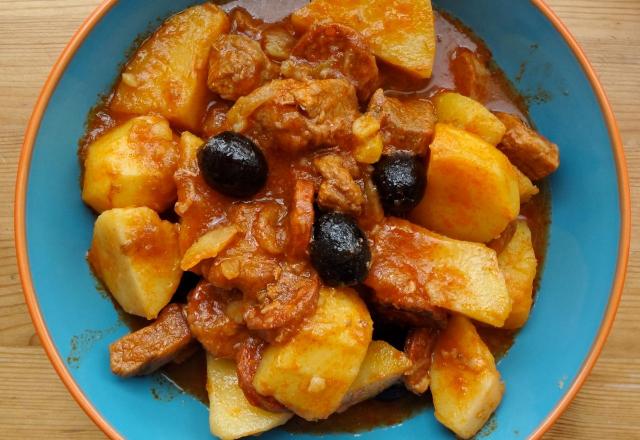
[[526, 187], [469, 115], [312, 373], [231, 416], [382, 367], [136, 255], [472, 189], [168, 73], [465, 383], [132, 165], [518, 264], [401, 32], [413, 269]]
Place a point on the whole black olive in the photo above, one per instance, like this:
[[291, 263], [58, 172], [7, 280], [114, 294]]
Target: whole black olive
[[339, 250], [401, 180], [233, 165]]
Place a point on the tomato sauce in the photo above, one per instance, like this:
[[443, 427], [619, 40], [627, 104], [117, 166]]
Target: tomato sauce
[[452, 36]]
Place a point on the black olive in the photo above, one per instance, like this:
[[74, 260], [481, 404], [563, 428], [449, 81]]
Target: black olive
[[233, 165], [339, 250], [401, 180]]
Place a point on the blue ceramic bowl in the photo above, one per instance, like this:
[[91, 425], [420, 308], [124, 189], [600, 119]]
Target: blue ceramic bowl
[[582, 279]]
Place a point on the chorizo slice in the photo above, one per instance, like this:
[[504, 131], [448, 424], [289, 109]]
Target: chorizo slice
[[214, 316], [301, 218], [248, 361]]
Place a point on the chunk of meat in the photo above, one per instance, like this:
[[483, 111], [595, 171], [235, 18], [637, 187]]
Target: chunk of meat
[[250, 263], [278, 310], [334, 51], [248, 360], [406, 124], [277, 295], [291, 115], [530, 152], [238, 66], [419, 349], [213, 318], [151, 347], [301, 218], [338, 190], [470, 74]]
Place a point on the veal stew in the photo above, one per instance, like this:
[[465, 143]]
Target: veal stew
[[341, 205]]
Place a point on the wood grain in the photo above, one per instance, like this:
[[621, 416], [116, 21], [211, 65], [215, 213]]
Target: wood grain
[[33, 402]]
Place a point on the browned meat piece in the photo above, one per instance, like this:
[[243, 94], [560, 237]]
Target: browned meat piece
[[334, 51], [276, 295], [238, 66], [470, 74], [301, 218], [401, 270], [151, 347], [248, 361], [419, 348], [532, 153], [406, 125], [279, 309], [215, 319], [338, 190], [293, 115]]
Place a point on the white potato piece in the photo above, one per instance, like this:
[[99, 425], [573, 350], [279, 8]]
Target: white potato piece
[[231, 416], [168, 73], [400, 32], [519, 265], [136, 255], [468, 114], [526, 187], [472, 189], [312, 373], [465, 382], [382, 367], [415, 269], [132, 165]]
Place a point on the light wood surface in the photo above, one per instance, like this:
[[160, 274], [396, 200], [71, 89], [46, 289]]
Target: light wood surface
[[33, 402]]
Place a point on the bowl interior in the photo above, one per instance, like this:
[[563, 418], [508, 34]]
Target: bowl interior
[[548, 353]]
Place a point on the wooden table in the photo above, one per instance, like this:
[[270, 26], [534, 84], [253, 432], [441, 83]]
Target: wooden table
[[33, 402]]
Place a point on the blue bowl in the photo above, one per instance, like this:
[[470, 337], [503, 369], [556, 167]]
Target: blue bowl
[[553, 354]]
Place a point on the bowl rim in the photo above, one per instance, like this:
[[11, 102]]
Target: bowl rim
[[22, 251]]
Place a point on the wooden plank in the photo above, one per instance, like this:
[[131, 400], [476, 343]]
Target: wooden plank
[[35, 404]]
